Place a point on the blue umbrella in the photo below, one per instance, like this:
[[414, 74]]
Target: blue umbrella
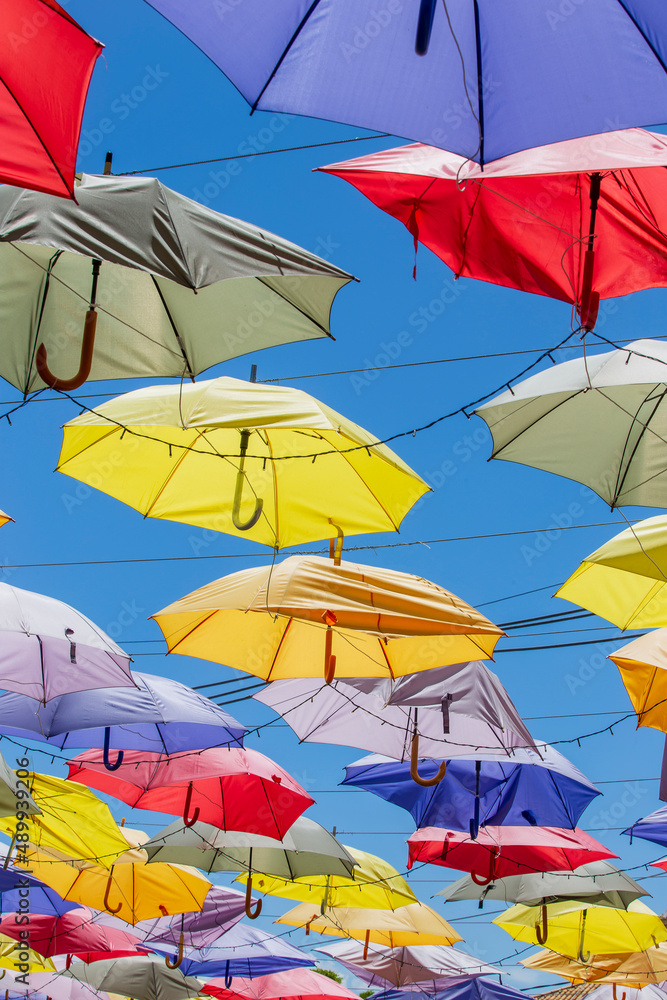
[[159, 715], [472, 989], [495, 78], [241, 951], [20, 893], [652, 827], [523, 789]]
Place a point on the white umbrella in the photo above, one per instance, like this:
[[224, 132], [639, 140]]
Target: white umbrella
[[142, 978], [437, 965]]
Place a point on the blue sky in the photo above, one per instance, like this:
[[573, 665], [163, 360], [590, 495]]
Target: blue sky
[[156, 100]]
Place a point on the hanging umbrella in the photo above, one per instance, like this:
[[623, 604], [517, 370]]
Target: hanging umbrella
[[41, 102], [146, 978], [189, 452], [228, 787], [432, 966], [474, 713], [643, 667], [297, 983], [36, 985], [70, 933], [599, 883], [29, 895], [13, 793], [156, 284], [134, 890], [72, 820], [490, 82], [470, 989], [633, 969], [374, 884], [49, 649], [12, 953], [158, 715], [415, 923], [4, 518], [624, 580], [578, 930], [531, 788], [242, 951], [305, 849], [499, 851], [557, 220], [598, 419], [652, 827], [294, 618]]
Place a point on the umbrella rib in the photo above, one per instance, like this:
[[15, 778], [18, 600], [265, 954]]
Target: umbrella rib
[[543, 416], [630, 17], [172, 472], [284, 298], [621, 480], [177, 335], [275, 655], [37, 135], [289, 45]]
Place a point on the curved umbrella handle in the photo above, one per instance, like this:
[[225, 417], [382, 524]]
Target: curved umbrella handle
[[474, 822], [613, 991], [424, 26], [542, 932], [238, 492], [248, 901], [414, 766], [106, 904], [105, 756], [174, 965], [85, 364], [228, 978], [329, 659], [186, 809], [487, 879], [366, 943], [583, 956]]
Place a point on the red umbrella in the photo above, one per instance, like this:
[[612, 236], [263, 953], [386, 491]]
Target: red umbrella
[[499, 851], [287, 985], [72, 933], [227, 787], [46, 61], [578, 220]]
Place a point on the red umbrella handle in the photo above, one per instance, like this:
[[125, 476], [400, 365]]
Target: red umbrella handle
[[186, 809], [366, 943], [613, 990], [248, 901], [487, 879]]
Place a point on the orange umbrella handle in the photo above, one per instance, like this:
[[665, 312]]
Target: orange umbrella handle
[[613, 990], [414, 766], [542, 932], [186, 809], [366, 943], [329, 658], [107, 907], [487, 879], [174, 965], [87, 346], [248, 901]]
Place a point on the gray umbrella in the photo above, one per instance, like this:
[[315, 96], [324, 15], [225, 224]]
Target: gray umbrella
[[14, 794], [439, 966], [142, 978], [599, 883], [158, 283]]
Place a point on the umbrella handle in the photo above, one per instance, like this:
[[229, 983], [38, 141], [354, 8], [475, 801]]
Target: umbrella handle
[[474, 822], [329, 658], [186, 809], [486, 880], [87, 345], [228, 978], [542, 932], [613, 991], [238, 492], [248, 901], [174, 965], [105, 756], [424, 26], [366, 943], [583, 956], [414, 766], [106, 904]]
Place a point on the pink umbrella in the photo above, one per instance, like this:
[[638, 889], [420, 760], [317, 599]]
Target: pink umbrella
[[71, 933], [295, 983]]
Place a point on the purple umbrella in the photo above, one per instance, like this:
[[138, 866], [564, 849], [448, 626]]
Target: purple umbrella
[[496, 78], [652, 827], [48, 649], [222, 910], [434, 967], [158, 715]]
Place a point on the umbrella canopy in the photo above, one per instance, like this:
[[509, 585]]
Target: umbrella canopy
[[637, 968], [528, 788], [499, 851], [624, 580], [652, 827], [36, 985], [469, 989], [305, 849], [289, 621], [72, 820], [214, 453], [71, 933], [374, 884], [415, 923], [606, 992], [133, 890], [297, 983], [158, 715], [360, 66], [231, 788], [599, 419], [242, 951], [41, 100], [11, 951], [525, 221], [4, 518], [13, 791], [221, 910], [599, 883], [146, 978], [643, 667], [578, 930], [180, 286], [478, 714], [49, 649], [29, 895], [424, 964]]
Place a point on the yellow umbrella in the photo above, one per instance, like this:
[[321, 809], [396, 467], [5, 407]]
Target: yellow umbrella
[[643, 667], [577, 930], [132, 891], [290, 620], [73, 821], [634, 969], [224, 454], [4, 518], [14, 954], [376, 885], [411, 924], [625, 580]]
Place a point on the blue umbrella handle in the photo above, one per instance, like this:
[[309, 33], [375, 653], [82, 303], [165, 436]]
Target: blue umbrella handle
[[474, 823], [424, 26], [105, 757], [174, 965], [186, 810], [228, 978]]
